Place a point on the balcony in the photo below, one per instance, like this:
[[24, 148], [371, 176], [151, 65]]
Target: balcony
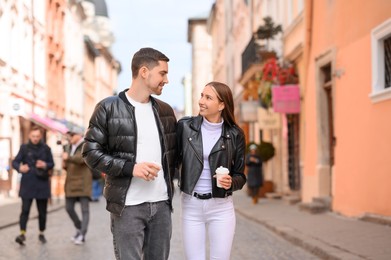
[[253, 58]]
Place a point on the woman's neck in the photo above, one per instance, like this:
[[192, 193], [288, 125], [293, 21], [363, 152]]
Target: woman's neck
[[215, 119]]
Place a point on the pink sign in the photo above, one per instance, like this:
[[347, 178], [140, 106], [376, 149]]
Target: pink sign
[[286, 99]]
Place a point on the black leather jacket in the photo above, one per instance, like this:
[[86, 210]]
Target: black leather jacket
[[111, 144], [229, 151]]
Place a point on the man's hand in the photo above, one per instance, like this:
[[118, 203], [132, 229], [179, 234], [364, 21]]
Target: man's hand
[[40, 164], [24, 168], [65, 156], [146, 170]]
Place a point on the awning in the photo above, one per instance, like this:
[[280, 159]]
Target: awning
[[48, 123]]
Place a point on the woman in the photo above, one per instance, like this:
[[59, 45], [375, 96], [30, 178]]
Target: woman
[[254, 173], [206, 142]]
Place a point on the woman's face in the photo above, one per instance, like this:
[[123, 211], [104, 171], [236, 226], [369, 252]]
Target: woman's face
[[210, 105]]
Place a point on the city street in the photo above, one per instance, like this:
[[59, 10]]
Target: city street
[[252, 240]]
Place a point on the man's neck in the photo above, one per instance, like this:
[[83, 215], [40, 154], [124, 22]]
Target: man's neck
[[138, 93]]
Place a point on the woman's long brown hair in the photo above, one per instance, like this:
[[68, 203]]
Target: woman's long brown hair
[[224, 94]]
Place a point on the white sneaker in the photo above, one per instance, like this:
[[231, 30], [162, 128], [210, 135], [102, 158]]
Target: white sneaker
[[79, 240], [76, 235]]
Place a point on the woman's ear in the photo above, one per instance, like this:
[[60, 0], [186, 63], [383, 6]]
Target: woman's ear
[[221, 106]]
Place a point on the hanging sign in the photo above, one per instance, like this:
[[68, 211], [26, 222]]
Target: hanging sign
[[268, 119], [248, 111], [286, 99]]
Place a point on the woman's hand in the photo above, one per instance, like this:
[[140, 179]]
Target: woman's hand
[[225, 181]]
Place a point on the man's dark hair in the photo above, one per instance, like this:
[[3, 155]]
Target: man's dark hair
[[148, 57], [35, 128]]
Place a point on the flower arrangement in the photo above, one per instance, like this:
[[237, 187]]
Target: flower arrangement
[[274, 74]]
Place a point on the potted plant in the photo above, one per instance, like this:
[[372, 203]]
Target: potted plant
[[265, 150]]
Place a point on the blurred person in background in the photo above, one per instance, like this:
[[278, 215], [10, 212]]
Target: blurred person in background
[[206, 142], [131, 138], [254, 172], [97, 185], [78, 184], [35, 162]]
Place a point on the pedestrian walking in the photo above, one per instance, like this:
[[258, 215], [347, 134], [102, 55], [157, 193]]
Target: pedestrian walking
[[97, 185], [131, 138], [254, 172], [205, 143], [35, 162], [78, 185]]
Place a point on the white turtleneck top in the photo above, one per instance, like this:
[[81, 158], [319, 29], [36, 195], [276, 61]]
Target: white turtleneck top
[[211, 132]]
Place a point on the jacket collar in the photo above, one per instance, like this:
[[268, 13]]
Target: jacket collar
[[122, 96], [197, 122]]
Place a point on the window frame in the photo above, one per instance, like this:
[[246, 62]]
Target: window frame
[[378, 35]]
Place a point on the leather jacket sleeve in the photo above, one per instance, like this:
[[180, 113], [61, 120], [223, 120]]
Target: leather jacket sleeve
[[237, 170], [96, 147]]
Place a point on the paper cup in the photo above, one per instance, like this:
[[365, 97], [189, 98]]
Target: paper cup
[[220, 172]]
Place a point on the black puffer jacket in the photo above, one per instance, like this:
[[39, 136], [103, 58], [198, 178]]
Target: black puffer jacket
[[110, 145], [229, 151]]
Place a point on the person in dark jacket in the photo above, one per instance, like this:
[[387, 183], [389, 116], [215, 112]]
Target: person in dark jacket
[[78, 185], [206, 142], [34, 161], [132, 139], [254, 172]]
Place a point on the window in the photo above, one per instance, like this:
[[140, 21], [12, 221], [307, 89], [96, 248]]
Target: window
[[387, 62], [381, 62]]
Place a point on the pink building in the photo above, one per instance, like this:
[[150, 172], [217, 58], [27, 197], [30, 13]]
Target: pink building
[[347, 103]]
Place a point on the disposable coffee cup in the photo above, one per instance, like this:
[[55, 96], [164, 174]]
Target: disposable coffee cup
[[220, 172]]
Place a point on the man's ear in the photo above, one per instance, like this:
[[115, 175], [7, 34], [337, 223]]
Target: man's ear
[[143, 72]]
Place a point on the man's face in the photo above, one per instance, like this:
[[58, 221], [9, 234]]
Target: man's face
[[157, 78], [73, 138], [35, 136]]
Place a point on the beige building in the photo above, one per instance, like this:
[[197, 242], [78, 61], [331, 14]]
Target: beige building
[[44, 68], [201, 73]]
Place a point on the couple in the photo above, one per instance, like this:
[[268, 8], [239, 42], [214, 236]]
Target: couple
[[135, 139]]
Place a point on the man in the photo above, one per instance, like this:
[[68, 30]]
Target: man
[[78, 184], [34, 161], [131, 138]]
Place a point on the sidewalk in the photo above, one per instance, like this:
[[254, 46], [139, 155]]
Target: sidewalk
[[327, 235], [10, 210]]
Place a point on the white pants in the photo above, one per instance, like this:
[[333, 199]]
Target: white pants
[[217, 215]]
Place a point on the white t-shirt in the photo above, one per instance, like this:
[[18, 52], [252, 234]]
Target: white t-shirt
[[148, 150]]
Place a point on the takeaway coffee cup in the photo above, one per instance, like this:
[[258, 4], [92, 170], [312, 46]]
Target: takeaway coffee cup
[[220, 172]]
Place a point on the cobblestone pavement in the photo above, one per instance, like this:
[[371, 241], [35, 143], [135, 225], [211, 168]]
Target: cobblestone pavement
[[252, 240]]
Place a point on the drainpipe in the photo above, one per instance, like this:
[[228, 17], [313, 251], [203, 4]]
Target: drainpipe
[[307, 41]]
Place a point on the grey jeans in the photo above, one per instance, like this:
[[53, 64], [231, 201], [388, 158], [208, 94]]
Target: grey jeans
[[142, 232], [85, 212]]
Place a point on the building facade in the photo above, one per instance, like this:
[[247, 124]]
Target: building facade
[[334, 150], [43, 69]]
